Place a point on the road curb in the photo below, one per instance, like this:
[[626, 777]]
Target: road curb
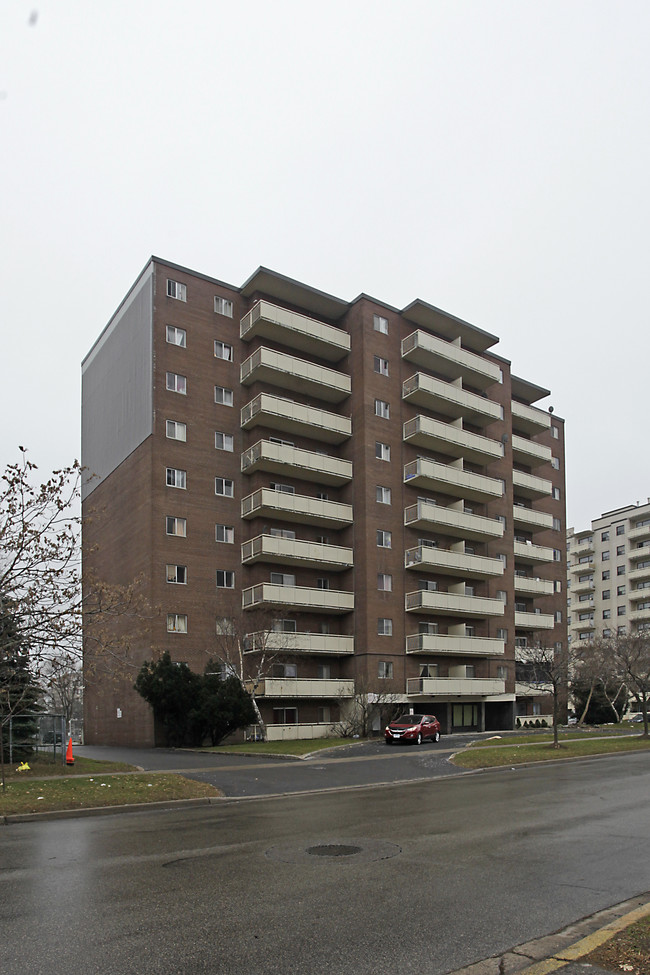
[[108, 810], [555, 951]]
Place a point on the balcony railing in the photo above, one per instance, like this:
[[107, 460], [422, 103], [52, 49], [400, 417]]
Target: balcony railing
[[472, 687], [450, 400], [298, 375], [530, 486], [529, 452], [331, 644], [528, 552], [287, 416], [426, 559], [452, 604], [480, 646], [637, 534], [297, 508], [531, 519], [642, 571], [298, 598], [308, 465], [295, 331], [451, 480], [294, 551], [529, 419], [424, 431], [533, 586], [533, 621], [452, 521], [588, 585], [640, 553], [301, 687], [449, 360]]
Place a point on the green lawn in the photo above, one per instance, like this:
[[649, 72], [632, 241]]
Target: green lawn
[[487, 755]]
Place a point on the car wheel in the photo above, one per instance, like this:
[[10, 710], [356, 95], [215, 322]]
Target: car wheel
[[419, 738], [436, 737], [388, 741]]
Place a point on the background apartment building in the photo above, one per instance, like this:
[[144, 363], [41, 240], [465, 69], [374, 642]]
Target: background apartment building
[[373, 482], [608, 582]]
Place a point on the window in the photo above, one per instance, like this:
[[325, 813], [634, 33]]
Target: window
[[282, 488], [620, 549], [620, 570], [555, 433], [620, 529], [428, 670], [557, 525], [385, 669], [557, 585], [384, 582], [224, 533], [502, 595], [176, 623], [324, 672], [605, 593], [322, 583], [620, 590], [470, 670], [502, 557], [556, 494], [284, 626], [558, 616], [176, 290], [384, 626], [223, 306], [223, 351], [223, 396], [428, 628], [620, 630], [607, 614], [285, 715], [176, 336], [620, 610], [176, 478], [382, 451], [607, 632], [502, 673], [605, 575], [224, 441], [283, 579], [175, 430], [380, 365], [605, 556], [382, 408], [555, 463], [427, 585], [380, 324], [584, 598], [557, 555], [289, 533], [604, 536], [502, 634], [321, 495], [175, 526], [224, 486], [384, 538], [383, 494], [177, 574], [225, 579], [176, 383]]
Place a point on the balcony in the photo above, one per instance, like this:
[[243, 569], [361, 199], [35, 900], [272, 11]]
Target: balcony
[[330, 644], [269, 321], [296, 508], [268, 594], [529, 486], [639, 594], [640, 553], [308, 465], [533, 621], [452, 604], [528, 419], [530, 453], [531, 519], [642, 571], [449, 400], [444, 687], [298, 375], [527, 552], [449, 360], [442, 561], [639, 533], [584, 625], [587, 585], [452, 521], [445, 643], [294, 551], [423, 431], [583, 567], [301, 687], [640, 615], [582, 546], [287, 416], [451, 480], [530, 586]]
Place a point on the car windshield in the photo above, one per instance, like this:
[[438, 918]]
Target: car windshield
[[408, 719]]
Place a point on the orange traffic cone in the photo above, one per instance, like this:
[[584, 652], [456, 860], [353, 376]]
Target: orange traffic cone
[[69, 757]]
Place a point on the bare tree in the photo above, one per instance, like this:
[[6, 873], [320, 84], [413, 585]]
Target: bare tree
[[370, 699], [595, 667], [547, 670], [632, 656], [64, 686]]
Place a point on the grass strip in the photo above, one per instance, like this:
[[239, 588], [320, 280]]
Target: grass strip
[[289, 748], [627, 951], [474, 758], [45, 795]]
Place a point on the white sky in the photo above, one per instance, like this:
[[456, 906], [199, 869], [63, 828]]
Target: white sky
[[487, 156]]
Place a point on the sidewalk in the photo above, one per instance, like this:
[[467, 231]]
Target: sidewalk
[[564, 950]]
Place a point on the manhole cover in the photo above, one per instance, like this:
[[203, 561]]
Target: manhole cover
[[333, 850], [354, 850]]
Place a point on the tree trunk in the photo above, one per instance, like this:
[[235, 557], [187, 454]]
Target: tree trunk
[[589, 696], [258, 714]]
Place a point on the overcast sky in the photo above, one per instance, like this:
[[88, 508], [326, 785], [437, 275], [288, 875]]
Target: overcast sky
[[489, 157]]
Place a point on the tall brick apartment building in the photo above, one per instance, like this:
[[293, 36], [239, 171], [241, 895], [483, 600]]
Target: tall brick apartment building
[[374, 479]]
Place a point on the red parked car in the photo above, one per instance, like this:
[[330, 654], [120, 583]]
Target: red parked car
[[414, 728]]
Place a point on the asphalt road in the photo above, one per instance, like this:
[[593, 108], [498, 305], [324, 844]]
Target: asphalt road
[[430, 876]]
